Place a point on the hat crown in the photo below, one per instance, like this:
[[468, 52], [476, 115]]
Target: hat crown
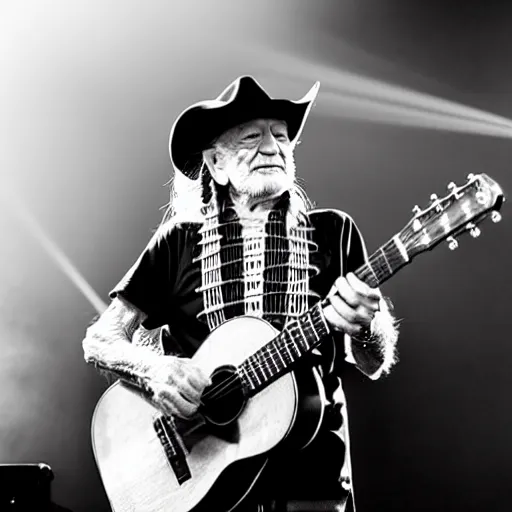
[[245, 87]]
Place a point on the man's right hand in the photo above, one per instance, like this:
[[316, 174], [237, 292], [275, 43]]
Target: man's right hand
[[177, 384]]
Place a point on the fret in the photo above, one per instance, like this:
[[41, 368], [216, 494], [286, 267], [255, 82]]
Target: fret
[[367, 274], [252, 365], [304, 333], [282, 342], [244, 374], [260, 367], [254, 371], [255, 365], [263, 364], [386, 261], [272, 362], [379, 265], [394, 254], [383, 263], [313, 330], [401, 248], [252, 378], [274, 358], [282, 363], [298, 334], [290, 343]]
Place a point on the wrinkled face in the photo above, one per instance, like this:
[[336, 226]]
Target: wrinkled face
[[255, 159]]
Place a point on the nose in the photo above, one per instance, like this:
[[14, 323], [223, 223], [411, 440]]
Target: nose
[[268, 145]]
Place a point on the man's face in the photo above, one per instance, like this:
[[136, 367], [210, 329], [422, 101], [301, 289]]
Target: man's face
[[256, 159]]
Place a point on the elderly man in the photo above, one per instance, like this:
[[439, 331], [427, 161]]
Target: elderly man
[[241, 238]]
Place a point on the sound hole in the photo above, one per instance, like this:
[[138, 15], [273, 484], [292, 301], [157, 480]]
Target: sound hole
[[223, 400]]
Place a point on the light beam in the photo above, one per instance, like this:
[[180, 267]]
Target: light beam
[[345, 94], [55, 253]]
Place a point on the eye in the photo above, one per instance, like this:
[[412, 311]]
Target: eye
[[251, 136], [281, 136]]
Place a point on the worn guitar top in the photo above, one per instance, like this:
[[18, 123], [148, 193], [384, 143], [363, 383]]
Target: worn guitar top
[[193, 276]]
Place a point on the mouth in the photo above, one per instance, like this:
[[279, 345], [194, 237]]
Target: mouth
[[268, 168]]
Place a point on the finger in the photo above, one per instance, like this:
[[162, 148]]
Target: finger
[[173, 400], [202, 376], [368, 297], [339, 323], [370, 304], [346, 292], [197, 376], [196, 382], [362, 288], [189, 392], [183, 369], [358, 315], [188, 384]]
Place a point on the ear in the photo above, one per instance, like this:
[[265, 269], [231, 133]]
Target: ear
[[211, 161]]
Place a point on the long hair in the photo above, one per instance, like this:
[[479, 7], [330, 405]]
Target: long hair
[[189, 198], [185, 198]]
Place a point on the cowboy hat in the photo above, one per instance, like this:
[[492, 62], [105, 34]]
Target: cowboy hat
[[243, 100]]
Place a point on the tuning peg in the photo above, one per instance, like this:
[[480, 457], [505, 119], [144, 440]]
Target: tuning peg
[[434, 199], [470, 176], [452, 187], [416, 210], [495, 216], [452, 243], [473, 230]]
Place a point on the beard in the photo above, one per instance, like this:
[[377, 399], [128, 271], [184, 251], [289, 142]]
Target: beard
[[263, 183]]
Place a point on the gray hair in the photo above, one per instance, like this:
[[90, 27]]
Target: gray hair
[[188, 198]]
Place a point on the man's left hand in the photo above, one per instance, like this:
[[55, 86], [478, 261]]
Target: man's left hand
[[353, 305]]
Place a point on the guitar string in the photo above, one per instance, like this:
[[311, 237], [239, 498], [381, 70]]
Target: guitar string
[[258, 364], [262, 362], [224, 388], [374, 267]]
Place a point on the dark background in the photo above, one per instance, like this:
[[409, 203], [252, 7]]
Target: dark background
[[89, 93]]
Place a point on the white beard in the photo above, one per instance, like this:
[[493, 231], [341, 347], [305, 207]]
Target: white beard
[[259, 185]]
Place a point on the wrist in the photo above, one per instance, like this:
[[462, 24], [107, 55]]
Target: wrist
[[365, 337]]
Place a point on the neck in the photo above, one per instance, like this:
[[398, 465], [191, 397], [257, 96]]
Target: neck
[[248, 207]]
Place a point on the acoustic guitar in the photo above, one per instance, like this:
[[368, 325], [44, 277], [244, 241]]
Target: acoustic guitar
[[149, 462]]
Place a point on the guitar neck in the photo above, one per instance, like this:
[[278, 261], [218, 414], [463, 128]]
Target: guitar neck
[[386, 261], [307, 331]]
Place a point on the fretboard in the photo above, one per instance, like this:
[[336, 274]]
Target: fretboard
[[307, 331], [278, 356], [386, 261]]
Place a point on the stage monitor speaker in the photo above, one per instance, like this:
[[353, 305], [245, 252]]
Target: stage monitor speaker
[[25, 487]]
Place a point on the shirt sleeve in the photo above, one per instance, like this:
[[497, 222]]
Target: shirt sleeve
[[368, 358], [148, 284], [353, 247]]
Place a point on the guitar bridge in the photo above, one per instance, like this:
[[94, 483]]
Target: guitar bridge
[[173, 447]]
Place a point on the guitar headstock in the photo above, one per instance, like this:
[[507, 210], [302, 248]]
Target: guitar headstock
[[448, 217]]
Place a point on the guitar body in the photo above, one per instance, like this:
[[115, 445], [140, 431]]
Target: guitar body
[[133, 465]]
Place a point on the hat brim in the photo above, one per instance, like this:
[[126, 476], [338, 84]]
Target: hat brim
[[198, 126]]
